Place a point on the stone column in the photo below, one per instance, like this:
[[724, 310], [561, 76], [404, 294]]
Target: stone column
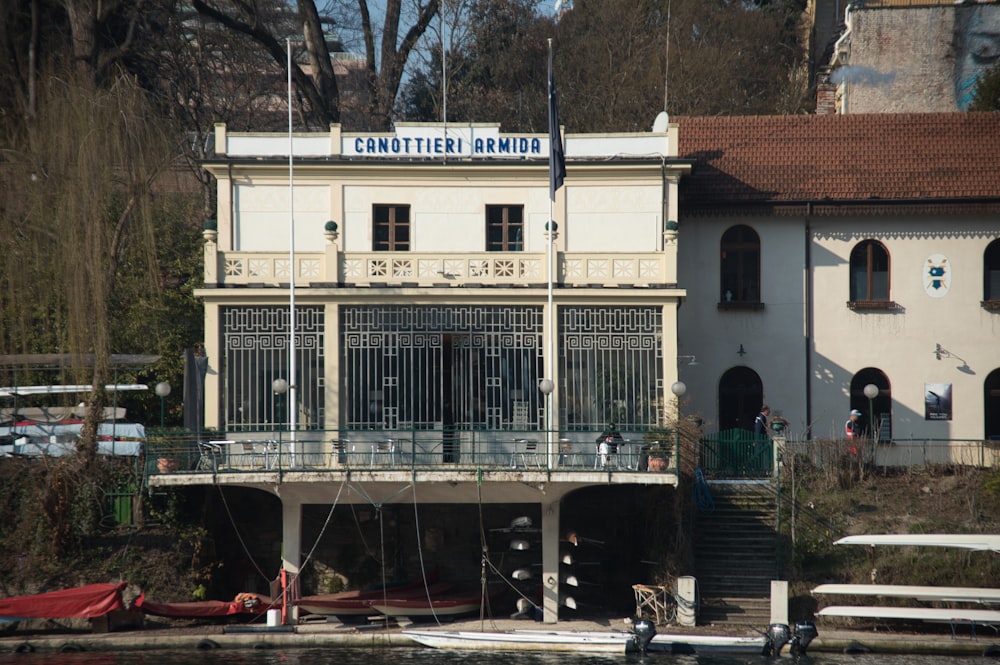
[[550, 561]]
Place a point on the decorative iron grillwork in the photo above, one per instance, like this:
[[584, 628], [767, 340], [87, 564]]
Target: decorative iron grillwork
[[255, 343], [610, 367], [442, 367]]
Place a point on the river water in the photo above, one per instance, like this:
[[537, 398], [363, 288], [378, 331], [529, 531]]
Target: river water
[[425, 656]]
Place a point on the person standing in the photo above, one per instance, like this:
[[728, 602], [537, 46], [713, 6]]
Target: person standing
[[852, 431], [760, 422]]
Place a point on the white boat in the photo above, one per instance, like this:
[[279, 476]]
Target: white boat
[[597, 641], [707, 644], [527, 640], [972, 541], [933, 614], [981, 595]]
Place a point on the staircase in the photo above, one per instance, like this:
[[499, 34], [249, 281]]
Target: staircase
[[735, 549]]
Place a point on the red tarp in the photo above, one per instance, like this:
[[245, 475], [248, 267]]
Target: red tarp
[[85, 602], [203, 608]]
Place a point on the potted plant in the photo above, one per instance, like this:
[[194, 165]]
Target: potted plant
[[659, 456], [166, 465], [658, 448]]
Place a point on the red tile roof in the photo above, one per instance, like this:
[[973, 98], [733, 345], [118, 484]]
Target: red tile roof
[[862, 158]]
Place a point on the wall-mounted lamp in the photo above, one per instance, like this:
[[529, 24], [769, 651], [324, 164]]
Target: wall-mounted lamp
[[742, 352], [687, 360], [941, 352]]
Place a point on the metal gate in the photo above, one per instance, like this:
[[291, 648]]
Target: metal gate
[[737, 453]]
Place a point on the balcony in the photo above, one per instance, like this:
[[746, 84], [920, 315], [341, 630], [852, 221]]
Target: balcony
[[432, 269], [502, 454]]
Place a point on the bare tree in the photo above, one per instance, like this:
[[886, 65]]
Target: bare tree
[[386, 49], [611, 62], [102, 32], [268, 25]]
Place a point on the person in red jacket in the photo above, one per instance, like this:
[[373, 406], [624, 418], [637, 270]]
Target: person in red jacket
[[852, 430]]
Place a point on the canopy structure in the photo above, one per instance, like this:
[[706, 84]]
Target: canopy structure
[[85, 602], [60, 360], [59, 438]]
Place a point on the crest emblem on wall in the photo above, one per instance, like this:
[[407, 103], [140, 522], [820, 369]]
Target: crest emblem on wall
[[937, 276]]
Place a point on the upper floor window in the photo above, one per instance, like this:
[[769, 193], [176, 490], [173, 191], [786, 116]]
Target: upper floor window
[[991, 276], [870, 275], [740, 263], [390, 228], [504, 228]]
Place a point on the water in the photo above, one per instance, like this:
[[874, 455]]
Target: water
[[424, 656]]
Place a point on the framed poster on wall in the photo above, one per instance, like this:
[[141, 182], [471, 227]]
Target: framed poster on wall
[[937, 401]]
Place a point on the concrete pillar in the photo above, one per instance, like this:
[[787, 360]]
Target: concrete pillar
[[779, 601], [291, 547], [687, 601], [550, 562]]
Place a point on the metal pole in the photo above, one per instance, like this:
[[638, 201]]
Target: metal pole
[[292, 375]]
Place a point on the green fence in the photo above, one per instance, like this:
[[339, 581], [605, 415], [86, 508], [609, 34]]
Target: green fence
[[736, 453]]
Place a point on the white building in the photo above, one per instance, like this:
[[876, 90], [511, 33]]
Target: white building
[[445, 340], [821, 254]]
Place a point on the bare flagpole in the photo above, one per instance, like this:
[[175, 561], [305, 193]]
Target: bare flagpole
[[293, 405]]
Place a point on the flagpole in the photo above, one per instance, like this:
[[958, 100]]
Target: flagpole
[[557, 172], [549, 360], [292, 405]]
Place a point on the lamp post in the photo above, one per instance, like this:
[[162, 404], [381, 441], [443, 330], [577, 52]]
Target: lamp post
[[279, 387], [546, 386], [162, 390], [678, 389], [871, 392]]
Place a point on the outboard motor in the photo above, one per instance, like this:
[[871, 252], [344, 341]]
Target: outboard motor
[[803, 633], [778, 635], [643, 631]]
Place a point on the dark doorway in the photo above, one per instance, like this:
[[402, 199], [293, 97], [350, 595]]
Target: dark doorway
[[877, 412], [741, 394], [991, 406]]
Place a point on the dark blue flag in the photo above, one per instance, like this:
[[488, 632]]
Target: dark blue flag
[[557, 160]]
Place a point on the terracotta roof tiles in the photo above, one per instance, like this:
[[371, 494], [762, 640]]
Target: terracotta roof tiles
[[862, 157]]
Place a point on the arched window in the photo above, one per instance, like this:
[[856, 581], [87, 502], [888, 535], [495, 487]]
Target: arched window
[[741, 394], [876, 411], [991, 406], [740, 266], [869, 272], [991, 275]]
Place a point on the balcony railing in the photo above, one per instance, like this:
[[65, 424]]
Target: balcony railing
[[488, 269], [389, 450]]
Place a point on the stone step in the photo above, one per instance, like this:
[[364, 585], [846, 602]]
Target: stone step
[[735, 549], [735, 610]]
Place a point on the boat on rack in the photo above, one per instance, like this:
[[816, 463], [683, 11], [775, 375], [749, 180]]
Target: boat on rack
[[442, 605], [952, 594], [359, 602], [972, 541], [919, 594]]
